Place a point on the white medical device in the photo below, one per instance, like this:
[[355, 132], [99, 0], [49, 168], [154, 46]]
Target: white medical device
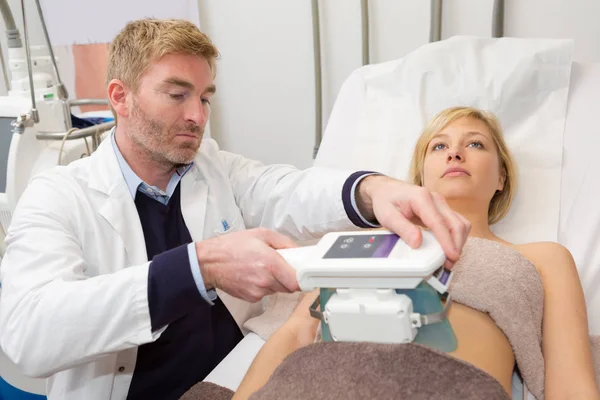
[[372, 281]]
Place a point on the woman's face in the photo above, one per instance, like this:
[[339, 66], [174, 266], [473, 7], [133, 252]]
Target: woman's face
[[462, 161]]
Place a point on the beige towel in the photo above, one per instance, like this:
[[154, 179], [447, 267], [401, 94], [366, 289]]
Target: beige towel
[[491, 278], [498, 280], [595, 342]]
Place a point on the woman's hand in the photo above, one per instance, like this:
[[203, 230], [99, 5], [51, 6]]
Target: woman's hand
[[302, 309], [298, 331]]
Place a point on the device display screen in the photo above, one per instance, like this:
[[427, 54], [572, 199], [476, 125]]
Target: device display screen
[[362, 246]]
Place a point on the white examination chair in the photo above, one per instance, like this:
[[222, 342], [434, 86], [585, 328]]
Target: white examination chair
[[577, 223]]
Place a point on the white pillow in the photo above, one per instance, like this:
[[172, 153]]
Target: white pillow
[[381, 110]]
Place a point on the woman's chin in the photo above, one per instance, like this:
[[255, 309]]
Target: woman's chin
[[456, 191]]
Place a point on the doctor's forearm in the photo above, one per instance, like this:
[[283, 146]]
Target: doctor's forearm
[[300, 204], [172, 291]]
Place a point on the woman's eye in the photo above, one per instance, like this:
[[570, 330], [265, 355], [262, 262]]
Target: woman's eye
[[477, 145], [438, 146]]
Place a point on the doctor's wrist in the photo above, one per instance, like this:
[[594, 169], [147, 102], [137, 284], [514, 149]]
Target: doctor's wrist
[[364, 195], [206, 264]]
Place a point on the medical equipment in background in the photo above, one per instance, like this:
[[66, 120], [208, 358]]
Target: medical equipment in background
[[376, 288], [35, 115]]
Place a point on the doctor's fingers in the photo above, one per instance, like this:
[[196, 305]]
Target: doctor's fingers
[[284, 274], [273, 287], [392, 219], [269, 272], [459, 226], [274, 239], [434, 219], [271, 284], [264, 280], [256, 293]]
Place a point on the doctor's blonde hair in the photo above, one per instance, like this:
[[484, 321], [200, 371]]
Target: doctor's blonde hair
[[502, 200], [144, 41]]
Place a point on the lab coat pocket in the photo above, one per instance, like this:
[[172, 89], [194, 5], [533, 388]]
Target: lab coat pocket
[[227, 225]]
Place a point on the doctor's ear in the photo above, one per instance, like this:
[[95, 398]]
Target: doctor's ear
[[117, 96]]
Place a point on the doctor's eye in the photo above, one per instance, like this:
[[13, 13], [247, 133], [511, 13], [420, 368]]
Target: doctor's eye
[[176, 96], [206, 101]]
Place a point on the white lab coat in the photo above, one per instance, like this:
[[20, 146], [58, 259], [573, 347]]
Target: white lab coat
[[74, 302]]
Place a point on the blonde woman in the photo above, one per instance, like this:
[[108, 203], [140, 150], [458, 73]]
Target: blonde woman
[[462, 156]]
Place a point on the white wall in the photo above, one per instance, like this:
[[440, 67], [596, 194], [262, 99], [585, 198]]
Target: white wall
[[264, 108]]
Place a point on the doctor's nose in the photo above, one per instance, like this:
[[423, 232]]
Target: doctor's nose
[[197, 114]]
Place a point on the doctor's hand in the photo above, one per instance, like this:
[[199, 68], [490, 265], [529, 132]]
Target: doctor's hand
[[400, 206], [246, 265]]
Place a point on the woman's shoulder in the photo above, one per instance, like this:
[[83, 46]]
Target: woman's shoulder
[[546, 255], [544, 249]]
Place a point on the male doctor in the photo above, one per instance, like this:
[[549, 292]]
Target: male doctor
[[113, 262]]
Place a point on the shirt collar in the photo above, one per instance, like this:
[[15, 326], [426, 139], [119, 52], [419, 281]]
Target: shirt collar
[[133, 181]]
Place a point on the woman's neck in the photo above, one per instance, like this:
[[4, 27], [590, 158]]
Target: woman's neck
[[477, 215]]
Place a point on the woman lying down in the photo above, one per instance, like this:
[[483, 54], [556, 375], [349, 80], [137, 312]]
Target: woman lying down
[[513, 304]]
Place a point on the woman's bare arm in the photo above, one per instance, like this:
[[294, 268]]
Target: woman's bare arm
[[298, 331], [566, 339]]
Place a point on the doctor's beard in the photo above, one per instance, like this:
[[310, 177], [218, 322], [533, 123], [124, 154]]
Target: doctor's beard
[[156, 139]]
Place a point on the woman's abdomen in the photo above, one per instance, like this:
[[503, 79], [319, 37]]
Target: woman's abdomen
[[482, 343]]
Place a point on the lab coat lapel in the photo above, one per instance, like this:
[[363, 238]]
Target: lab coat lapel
[[194, 198], [120, 212], [116, 205]]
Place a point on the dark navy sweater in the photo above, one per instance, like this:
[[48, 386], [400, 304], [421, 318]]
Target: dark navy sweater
[[199, 335]]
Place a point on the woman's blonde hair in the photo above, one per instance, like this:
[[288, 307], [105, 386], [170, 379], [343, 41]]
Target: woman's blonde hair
[[502, 200]]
